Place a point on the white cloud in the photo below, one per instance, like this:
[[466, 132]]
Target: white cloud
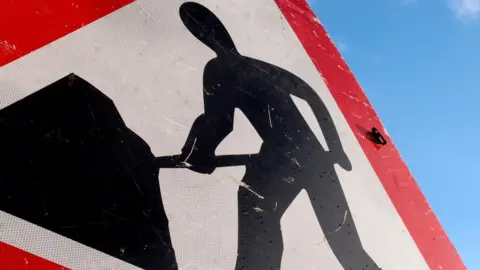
[[465, 9]]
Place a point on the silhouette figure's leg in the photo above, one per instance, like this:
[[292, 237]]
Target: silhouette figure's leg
[[161, 251], [335, 218], [260, 243]]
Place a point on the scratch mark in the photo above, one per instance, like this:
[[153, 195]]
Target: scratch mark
[[242, 184], [351, 97], [108, 212], [259, 68], [186, 164], [160, 237], [275, 208], [295, 7], [129, 154], [343, 223], [257, 209], [133, 178], [189, 154], [288, 153], [269, 117], [173, 122], [91, 111], [207, 93], [357, 116], [245, 91], [296, 162], [146, 14], [357, 100], [289, 180], [59, 136], [249, 189], [71, 226]]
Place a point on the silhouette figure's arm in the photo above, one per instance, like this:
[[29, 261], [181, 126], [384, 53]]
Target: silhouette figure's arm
[[209, 130], [324, 119]]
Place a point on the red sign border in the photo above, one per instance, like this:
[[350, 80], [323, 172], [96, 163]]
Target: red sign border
[[398, 182]]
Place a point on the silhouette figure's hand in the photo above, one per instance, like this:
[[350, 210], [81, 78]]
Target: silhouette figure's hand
[[342, 159], [198, 162]]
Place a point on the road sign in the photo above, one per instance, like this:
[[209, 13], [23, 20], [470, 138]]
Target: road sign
[[196, 135]]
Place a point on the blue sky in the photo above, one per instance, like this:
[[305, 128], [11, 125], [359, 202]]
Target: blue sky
[[419, 63]]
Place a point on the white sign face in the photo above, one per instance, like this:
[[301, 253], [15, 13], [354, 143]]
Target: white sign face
[[173, 135]]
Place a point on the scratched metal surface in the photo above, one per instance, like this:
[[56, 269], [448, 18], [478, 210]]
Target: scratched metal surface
[[154, 76]]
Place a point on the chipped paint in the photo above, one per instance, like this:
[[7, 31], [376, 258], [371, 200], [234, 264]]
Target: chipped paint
[[257, 209], [288, 180], [7, 46]]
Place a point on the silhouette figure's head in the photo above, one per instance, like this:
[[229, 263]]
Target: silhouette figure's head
[[207, 28]]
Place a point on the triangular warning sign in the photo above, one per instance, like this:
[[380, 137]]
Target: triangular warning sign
[[115, 152]]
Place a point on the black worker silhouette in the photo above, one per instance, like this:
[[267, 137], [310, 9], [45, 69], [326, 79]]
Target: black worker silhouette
[[69, 164], [291, 158]]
